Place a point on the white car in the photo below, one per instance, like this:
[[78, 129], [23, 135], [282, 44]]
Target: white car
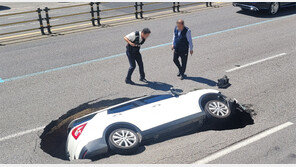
[[121, 128]]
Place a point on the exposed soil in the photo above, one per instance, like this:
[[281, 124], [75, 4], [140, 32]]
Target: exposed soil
[[54, 136]]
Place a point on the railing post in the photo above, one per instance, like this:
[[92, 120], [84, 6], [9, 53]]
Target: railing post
[[141, 10], [136, 10], [40, 19], [178, 6], [92, 13], [98, 13], [47, 18]]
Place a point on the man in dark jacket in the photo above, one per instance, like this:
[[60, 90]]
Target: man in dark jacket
[[134, 41], [182, 43]]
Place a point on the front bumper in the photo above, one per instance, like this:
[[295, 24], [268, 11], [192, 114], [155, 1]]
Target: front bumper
[[244, 6]]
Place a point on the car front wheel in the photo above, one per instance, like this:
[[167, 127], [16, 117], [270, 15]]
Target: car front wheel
[[274, 8], [218, 110], [123, 141]]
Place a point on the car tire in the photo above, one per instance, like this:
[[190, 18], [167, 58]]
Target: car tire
[[218, 110], [244, 10], [274, 8], [123, 141]]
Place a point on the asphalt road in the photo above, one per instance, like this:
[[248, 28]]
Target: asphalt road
[[43, 79]]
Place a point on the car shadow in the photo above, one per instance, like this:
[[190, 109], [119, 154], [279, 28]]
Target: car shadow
[[4, 8], [160, 86], [202, 80], [240, 120], [141, 149], [263, 14]]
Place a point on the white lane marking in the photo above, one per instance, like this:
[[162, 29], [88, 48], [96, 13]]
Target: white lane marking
[[243, 143], [256, 62], [21, 133]]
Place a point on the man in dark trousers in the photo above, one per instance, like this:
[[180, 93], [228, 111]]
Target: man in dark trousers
[[182, 43], [134, 41]]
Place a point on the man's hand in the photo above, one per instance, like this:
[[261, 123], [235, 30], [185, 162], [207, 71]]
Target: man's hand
[[132, 44], [191, 52], [129, 42], [172, 47]]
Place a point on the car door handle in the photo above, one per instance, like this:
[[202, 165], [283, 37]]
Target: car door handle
[[156, 105], [116, 114]]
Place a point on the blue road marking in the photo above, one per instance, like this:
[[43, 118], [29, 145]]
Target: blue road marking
[[148, 48]]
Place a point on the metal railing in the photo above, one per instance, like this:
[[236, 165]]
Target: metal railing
[[19, 22], [96, 14]]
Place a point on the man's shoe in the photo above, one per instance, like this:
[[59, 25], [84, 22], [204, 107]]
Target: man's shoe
[[183, 76], [144, 80], [129, 81], [179, 74]]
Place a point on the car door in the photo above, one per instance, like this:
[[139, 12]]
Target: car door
[[160, 110]]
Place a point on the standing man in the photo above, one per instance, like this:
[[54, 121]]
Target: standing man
[[134, 41], [182, 43]]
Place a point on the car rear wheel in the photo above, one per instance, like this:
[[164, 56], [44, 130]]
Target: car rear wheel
[[123, 141], [274, 8], [218, 109]]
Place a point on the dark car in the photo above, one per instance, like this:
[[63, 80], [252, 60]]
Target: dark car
[[271, 7]]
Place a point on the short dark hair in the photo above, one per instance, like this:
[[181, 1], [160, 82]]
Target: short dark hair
[[180, 21], [146, 31]]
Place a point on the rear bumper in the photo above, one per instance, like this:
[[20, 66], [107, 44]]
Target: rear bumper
[[244, 6]]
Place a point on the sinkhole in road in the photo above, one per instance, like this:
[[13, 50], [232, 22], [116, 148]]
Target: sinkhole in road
[[54, 136]]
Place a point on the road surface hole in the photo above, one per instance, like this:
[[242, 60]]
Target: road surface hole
[[54, 136]]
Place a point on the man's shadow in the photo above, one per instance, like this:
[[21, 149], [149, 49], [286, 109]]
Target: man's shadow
[[202, 80], [156, 85], [166, 87], [4, 7]]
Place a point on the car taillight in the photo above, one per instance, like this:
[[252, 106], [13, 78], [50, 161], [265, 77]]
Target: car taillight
[[77, 131]]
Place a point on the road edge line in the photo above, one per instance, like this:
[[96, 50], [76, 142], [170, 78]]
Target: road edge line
[[242, 143]]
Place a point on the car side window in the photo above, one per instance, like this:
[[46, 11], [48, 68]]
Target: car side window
[[156, 98], [121, 108]]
